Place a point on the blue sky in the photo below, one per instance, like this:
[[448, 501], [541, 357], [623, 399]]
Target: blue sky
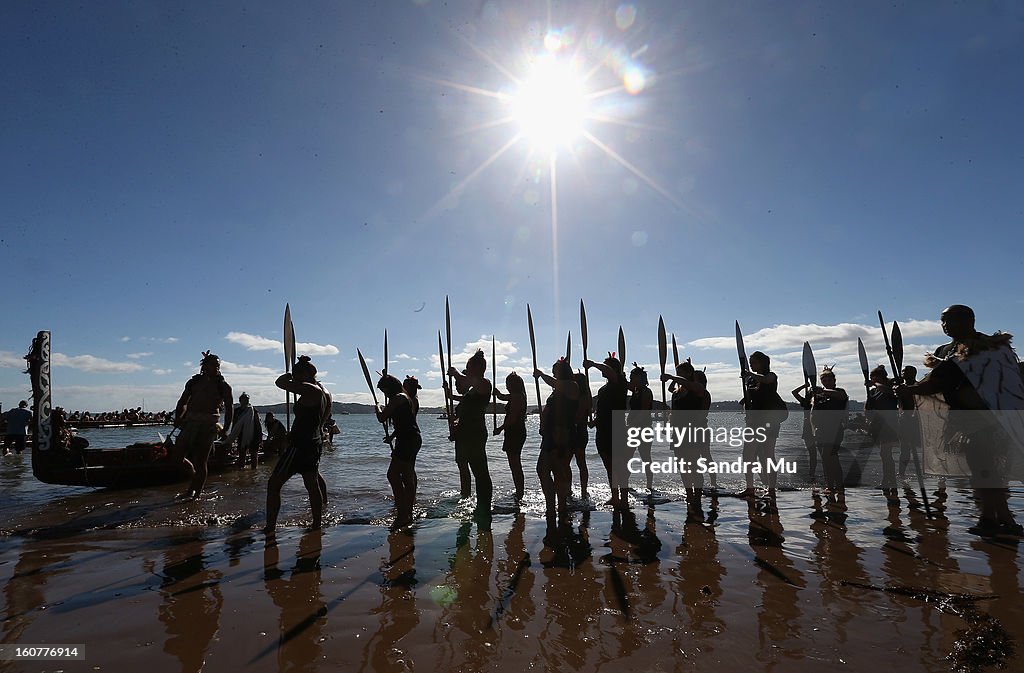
[[171, 176]]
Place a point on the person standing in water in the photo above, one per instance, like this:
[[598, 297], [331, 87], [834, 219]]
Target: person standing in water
[[305, 443], [514, 427], [641, 404], [611, 398], [581, 435], [471, 432], [828, 418], [881, 407], [401, 410], [691, 400], [198, 415], [909, 426], [979, 373], [807, 434], [557, 423], [763, 406], [246, 428]]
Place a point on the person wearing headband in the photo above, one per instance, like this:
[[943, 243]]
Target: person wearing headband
[[514, 429], [197, 413], [471, 431], [828, 418], [611, 398], [641, 404], [401, 410]]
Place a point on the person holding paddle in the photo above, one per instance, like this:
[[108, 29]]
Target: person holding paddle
[[881, 406], [581, 435], [514, 427], [305, 442], [557, 426], [828, 418], [765, 409], [471, 431], [641, 404], [401, 410], [610, 399], [691, 398]]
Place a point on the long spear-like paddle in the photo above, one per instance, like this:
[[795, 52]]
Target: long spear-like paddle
[[864, 367], [448, 336], [387, 398], [895, 352], [289, 358], [373, 391], [568, 347], [622, 348], [533, 350], [494, 385], [447, 411], [675, 352], [810, 368], [741, 352], [662, 355]]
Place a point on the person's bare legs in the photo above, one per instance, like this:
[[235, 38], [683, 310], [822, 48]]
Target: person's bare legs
[[316, 500]]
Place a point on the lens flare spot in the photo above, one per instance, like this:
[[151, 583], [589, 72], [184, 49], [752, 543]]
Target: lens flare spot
[[634, 81], [553, 40], [443, 596], [531, 197], [625, 15], [639, 239]]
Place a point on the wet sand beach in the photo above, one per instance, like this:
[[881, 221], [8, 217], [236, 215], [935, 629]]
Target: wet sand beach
[[810, 588]]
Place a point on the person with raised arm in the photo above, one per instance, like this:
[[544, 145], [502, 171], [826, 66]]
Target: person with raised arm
[[514, 428], [641, 404], [305, 442], [581, 435], [766, 410], [471, 431], [611, 398], [807, 434], [828, 418], [690, 397], [557, 425], [401, 410]]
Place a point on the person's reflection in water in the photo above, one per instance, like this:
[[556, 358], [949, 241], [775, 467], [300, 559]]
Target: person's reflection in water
[[514, 573], [697, 591], [778, 615], [24, 592], [297, 596], [466, 627], [839, 562], [570, 603], [192, 602], [397, 611]]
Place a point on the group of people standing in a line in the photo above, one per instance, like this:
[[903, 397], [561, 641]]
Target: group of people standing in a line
[[570, 412]]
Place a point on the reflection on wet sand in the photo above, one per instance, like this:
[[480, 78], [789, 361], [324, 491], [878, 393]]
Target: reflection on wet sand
[[296, 593], [191, 602], [804, 585]]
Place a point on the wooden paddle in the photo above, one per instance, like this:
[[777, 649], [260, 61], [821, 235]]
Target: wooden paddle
[[494, 385], [741, 352], [289, 358], [533, 350], [373, 391], [675, 351], [568, 347], [447, 411], [864, 366], [895, 352], [622, 348], [662, 355], [448, 336]]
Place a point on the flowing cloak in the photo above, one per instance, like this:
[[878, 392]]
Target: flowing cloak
[[995, 375]]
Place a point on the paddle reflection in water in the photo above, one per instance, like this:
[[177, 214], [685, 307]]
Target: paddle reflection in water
[[296, 593], [697, 593], [191, 601]]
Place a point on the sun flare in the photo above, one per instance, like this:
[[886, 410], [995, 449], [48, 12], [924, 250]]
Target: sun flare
[[550, 104]]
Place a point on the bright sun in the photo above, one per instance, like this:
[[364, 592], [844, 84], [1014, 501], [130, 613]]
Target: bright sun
[[550, 105]]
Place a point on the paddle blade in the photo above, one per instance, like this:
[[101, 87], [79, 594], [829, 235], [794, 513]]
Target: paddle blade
[[897, 348], [863, 355], [741, 350], [622, 348], [366, 375], [810, 368], [662, 343], [675, 351], [583, 327], [533, 337], [385, 352], [568, 346], [289, 339], [440, 354]]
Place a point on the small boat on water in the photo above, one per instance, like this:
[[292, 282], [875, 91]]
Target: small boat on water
[[58, 457]]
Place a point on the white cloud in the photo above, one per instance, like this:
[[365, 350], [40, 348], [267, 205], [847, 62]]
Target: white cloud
[[405, 356], [137, 356], [8, 359], [91, 363], [126, 338], [162, 372], [227, 367], [255, 342]]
